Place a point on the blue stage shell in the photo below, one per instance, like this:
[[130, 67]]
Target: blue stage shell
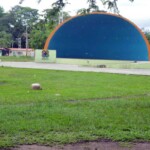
[[99, 36]]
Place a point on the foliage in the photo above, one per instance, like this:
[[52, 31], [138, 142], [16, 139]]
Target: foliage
[[52, 17], [22, 22], [42, 29], [39, 34], [1, 11], [147, 33], [73, 106], [59, 4], [5, 39], [4, 20], [92, 6], [24, 17], [14, 22], [112, 5]]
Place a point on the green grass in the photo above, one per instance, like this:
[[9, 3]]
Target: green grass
[[17, 59], [73, 106]]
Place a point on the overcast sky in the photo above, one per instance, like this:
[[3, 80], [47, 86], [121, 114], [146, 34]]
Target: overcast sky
[[138, 11]]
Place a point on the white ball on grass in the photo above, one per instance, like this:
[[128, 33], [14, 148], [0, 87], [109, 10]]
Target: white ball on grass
[[36, 86]]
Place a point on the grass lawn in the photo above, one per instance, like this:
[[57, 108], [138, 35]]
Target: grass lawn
[[73, 106], [17, 59]]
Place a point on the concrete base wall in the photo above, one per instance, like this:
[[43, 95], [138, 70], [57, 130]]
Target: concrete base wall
[[50, 59], [90, 62]]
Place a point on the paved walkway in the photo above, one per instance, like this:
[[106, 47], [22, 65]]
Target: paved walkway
[[74, 68]]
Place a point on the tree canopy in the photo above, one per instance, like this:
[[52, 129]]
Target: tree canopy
[[5, 39], [22, 24], [111, 4], [147, 33]]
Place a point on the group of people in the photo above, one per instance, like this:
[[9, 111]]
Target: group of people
[[45, 53]]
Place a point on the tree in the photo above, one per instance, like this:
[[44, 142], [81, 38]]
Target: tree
[[22, 18], [1, 12], [39, 34], [3, 22], [147, 33], [5, 31], [92, 6], [22, 22], [112, 4], [25, 15], [5, 39], [59, 4], [52, 16], [43, 27]]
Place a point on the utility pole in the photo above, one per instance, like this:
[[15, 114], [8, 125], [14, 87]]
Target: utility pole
[[19, 42], [26, 39], [61, 16]]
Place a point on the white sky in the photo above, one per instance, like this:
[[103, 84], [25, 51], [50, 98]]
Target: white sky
[[138, 11]]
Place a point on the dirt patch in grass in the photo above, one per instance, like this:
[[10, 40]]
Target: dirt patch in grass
[[89, 146], [3, 82], [112, 98]]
